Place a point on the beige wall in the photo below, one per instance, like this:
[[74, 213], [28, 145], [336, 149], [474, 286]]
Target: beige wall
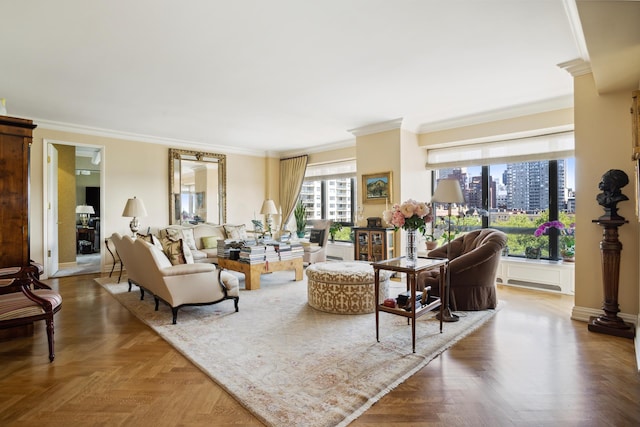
[[133, 168], [346, 153], [396, 151], [500, 129], [375, 153], [603, 142], [551, 121]]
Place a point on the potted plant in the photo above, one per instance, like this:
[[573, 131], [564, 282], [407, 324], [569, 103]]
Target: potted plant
[[431, 242], [333, 229], [567, 237], [300, 214]]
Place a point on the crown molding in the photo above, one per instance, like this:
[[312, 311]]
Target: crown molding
[[576, 67], [500, 114], [377, 127], [571, 9], [129, 136]]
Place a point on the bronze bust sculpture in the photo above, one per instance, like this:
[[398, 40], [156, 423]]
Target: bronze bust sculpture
[[610, 184]]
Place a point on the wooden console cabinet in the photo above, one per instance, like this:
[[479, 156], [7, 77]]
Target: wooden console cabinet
[[373, 244], [15, 143]]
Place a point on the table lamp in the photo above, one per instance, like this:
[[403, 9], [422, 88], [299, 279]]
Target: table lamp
[[84, 211], [134, 209], [268, 209], [448, 192]]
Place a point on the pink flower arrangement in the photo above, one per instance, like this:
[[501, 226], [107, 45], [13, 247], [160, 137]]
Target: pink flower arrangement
[[410, 215]]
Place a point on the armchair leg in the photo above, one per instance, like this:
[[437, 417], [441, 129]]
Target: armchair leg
[[235, 302], [50, 338], [174, 310], [157, 302], [141, 294], [130, 284]]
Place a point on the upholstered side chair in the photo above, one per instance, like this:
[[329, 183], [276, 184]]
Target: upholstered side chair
[[473, 265], [316, 251]]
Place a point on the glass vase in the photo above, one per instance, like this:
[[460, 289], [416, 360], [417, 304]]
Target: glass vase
[[412, 248]]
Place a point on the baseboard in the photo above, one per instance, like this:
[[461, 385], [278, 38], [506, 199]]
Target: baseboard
[[584, 313], [62, 265]]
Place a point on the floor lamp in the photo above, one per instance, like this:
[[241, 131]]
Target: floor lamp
[[448, 192]]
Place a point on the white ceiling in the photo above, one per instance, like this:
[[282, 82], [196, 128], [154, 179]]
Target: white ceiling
[[282, 75]]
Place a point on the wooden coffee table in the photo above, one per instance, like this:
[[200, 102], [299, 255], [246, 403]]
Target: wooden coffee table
[[252, 272]]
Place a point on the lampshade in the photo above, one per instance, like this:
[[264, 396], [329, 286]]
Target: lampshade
[[134, 208], [268, 207], [448, 191], [85, 209]]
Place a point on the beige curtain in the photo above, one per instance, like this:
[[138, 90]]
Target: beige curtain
[[291, 176]]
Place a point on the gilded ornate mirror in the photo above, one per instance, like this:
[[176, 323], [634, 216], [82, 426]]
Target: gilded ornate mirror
[[197, 187]]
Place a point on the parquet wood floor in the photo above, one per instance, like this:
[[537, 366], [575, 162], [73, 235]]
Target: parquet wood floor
[[528, 366]]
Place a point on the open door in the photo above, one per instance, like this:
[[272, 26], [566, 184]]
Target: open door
[[52, 210]]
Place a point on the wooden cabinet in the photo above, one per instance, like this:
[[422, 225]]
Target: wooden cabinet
[[15, 142], [373, 244]]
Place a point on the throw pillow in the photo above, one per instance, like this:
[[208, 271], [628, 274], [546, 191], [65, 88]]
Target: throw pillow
[[209, 242], [146, 237], [171, 233], [189, 239], [175, 251], [236, 232], [316, 236], [188, 255]]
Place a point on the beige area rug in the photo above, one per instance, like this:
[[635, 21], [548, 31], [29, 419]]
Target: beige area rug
[[292, 365]]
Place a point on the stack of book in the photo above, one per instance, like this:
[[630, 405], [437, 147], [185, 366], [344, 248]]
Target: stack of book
[[252, 254], [271, 254], [297, 250], [225, 246], [283, 250]]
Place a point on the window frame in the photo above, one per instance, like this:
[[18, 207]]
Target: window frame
[[554, 212]]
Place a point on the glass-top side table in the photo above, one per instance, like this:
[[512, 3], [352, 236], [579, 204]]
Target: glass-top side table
[[400, 265]]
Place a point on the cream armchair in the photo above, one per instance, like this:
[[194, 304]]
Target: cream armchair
[[316, 250], [175, 285]]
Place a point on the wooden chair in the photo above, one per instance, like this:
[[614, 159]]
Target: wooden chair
[[24, 299]]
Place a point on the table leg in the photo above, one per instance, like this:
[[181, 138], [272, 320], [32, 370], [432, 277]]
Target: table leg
[[411, 281], [442, 273], [376, 281], [299, 271], [252, 280]]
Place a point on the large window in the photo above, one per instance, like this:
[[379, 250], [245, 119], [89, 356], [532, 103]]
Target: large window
[[516, 198], [329, 192]]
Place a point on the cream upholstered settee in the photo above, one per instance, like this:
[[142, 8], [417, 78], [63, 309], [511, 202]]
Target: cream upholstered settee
[[202, 239], [176, 285]]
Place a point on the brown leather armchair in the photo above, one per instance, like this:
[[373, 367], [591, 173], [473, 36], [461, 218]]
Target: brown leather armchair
[[473, 263]]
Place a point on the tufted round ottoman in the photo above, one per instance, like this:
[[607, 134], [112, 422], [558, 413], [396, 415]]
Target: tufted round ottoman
[[345, 287]]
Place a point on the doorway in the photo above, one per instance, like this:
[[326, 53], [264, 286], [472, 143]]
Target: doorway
[[73, 201]]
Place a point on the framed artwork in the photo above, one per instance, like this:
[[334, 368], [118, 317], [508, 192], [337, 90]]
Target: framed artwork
[[376, 188]]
